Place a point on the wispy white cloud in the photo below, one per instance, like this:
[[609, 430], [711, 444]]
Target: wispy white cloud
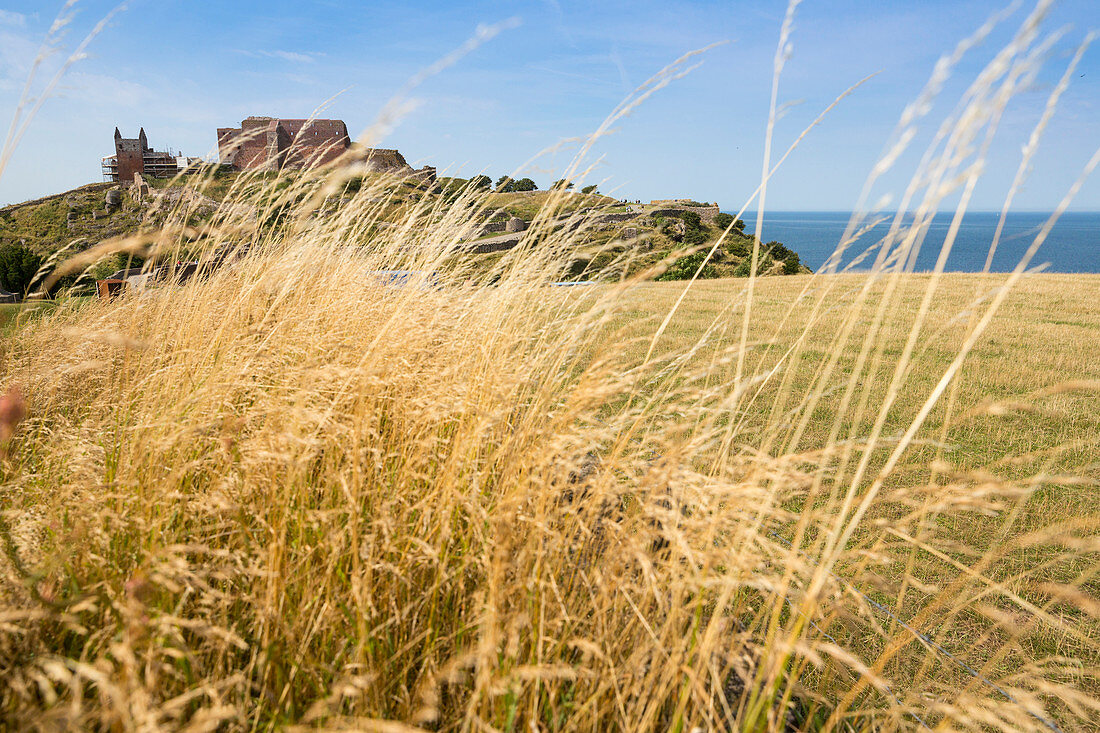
[[623, 76], [17, 53], [105, 90], [11, 18], [295, 57]]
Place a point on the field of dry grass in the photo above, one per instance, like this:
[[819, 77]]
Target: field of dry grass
[[1045, 334], [296, 491], [246, 503], [1025, 407]]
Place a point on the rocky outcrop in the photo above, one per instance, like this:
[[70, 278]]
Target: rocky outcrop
[[676, 229], [382, 160], [140, 189], [183, 197]]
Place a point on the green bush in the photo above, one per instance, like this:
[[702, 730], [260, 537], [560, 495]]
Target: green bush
[[791, 265], [690, 218], [723, 220], [525, 184], [18, 266], [777, 250], [685, 267], [451, 188], [738, 248]]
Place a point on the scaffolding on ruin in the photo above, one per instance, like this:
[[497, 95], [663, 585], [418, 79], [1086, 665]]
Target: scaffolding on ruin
[[155, 164]]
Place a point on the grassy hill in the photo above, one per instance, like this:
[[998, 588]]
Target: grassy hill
[[49, 224], [655, 239], [64, 225]]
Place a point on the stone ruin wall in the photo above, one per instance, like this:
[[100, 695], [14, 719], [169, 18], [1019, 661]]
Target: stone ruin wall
[[244, 147], [267, 142], [610, 218], [706, 213], [493, 227], [271, 143], [488, 247], [317, 143]]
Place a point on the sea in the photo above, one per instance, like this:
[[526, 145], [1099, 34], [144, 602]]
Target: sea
[[1072, 246]]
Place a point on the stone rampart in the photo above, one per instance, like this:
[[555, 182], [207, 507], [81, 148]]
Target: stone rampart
[[384, 159], [499, 245], [270, 143], [493, 227], [616, 217], [706, 213]]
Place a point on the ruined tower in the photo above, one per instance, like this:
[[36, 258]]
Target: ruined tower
[[130, 154], [133, 155]]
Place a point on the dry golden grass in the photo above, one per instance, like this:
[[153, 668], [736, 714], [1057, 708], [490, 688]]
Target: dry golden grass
[[293, 491], [259, 499]]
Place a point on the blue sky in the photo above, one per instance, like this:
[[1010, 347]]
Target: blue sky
[[182, 68]]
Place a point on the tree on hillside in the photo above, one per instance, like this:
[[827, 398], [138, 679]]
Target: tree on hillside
[[525, 184], [481, 183], [562, 184], [505, 184], [589, 189], [777, 250], [723, 220], [791, 265], [18, 266]]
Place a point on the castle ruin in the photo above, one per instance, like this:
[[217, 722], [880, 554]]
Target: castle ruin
[[270, 143], [260, 143], [133, 155]]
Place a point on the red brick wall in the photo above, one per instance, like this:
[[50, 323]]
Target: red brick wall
[[246, 146], [314, 142], [252, 152], [130, 160], [261, 141]]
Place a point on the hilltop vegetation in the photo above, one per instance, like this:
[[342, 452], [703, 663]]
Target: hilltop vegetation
[[611, 238], [49, 230]]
